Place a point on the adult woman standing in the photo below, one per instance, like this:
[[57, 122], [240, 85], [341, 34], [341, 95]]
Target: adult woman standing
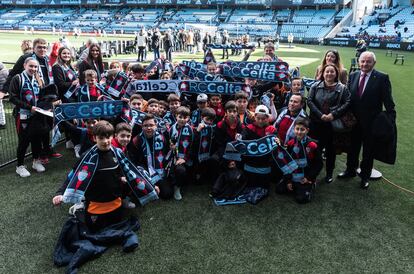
[[64, 74], [328, 100], [93, 61], [332, 58], [24, 92]]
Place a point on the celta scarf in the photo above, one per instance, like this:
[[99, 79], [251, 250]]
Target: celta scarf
[[116, 88], [214, 87], [299, 155], [73, 89], [29, 93], [223, 46], [169, 118], [271, 66], [208, 57], [308, 82], [83, 93], [195, 65], [192, 73], [165, 86], [183, 139], [137, 116], [87, 110], [259, 74], [206, 140], [49, 69], [155, 160], [261, 147], [290, 134], [137, 178], [195, 117]]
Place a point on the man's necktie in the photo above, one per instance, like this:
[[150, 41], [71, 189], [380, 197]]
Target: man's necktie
[[361, 84]]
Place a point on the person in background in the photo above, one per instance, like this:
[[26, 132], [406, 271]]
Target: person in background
[[3, 76], [26, 46], [93, 61], [332, 58]]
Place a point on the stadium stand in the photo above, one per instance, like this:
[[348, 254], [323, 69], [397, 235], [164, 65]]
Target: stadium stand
[[306, 24]]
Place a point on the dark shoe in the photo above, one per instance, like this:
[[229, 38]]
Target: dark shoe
[[346, 174], [328, 179], [364, 184]]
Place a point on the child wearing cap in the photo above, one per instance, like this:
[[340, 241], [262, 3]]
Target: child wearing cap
[[258, 169], [196, 114]]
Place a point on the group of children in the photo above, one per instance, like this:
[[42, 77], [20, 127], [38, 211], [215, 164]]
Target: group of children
[[179, 147]]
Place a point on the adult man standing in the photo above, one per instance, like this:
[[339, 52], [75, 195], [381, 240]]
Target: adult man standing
[[370, 91], [155, 43], [168, 44], [141, 44], [285, 120]]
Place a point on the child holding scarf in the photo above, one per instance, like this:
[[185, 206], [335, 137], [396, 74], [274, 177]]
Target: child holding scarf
[[149, 149], [24, 92], [305, 152], [98, 178], [182, 137]]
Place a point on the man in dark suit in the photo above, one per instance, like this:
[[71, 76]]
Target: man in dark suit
[[370, 91]]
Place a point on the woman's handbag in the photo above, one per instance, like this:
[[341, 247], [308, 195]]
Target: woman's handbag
[[346, 122]]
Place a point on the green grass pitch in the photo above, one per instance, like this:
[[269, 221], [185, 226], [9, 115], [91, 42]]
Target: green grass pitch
[[343, 230]]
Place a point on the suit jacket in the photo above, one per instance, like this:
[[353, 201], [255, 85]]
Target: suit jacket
[[384, 131], [376, 94]]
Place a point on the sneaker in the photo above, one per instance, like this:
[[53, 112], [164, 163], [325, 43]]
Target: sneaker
[[76, 207], [69, 144], [77, 149], [44, 160], [55, 155], [177, 193], [37, 165], [126, 203], [22, 171]]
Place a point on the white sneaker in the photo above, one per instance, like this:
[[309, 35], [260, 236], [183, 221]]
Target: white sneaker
[[77, 149], [126, 203], [69, 144], [22, 171], [37, 165], [177, 193]]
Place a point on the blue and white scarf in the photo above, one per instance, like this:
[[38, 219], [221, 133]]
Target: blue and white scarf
[[29, 93], [49, 69], [206, 141], [183, 139], [155, 160], [290, 134], [137, 178]]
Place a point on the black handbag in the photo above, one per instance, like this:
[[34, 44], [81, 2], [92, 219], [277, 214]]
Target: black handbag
[[346, 122]]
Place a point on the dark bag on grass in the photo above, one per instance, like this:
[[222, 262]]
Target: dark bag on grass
[[229, 184]]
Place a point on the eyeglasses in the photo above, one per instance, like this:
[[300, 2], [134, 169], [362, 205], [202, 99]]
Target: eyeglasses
[[41, 47]]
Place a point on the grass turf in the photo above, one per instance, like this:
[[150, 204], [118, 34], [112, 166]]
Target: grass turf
[[343, 230]]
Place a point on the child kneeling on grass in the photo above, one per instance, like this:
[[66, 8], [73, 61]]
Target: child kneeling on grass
[[98, 178], [305, 152]]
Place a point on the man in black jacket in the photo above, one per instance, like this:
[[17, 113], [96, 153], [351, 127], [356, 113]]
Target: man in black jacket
[[370, 91], [40, 53], [155, 43]]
